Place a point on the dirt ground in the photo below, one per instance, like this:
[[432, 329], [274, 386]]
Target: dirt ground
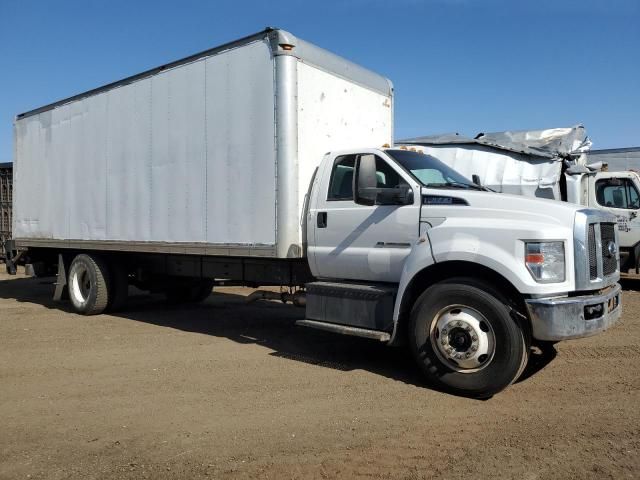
[[227, 390]]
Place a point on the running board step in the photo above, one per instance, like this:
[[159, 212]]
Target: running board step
[[346, 330], [366, 306]]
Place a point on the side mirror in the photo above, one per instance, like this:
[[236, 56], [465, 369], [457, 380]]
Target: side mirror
[[365, 189]]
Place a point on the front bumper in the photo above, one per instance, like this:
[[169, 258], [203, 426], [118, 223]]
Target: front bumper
[[563, 318]]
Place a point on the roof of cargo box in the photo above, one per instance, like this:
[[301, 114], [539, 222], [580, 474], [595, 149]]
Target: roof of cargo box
[[555, 143], [282, 43]]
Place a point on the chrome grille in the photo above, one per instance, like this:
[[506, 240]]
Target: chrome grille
[[595, 266], [593, 257], [609, 261]]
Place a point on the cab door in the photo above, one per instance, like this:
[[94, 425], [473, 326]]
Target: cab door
[[362, 242], [618, 193]]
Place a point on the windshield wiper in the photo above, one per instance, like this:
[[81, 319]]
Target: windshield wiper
[[466, 186]]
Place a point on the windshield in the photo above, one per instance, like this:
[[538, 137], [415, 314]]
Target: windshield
[[430, 171]]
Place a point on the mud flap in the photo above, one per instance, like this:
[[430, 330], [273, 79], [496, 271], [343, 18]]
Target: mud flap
[[61, 293]]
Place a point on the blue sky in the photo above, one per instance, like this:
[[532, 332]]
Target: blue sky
[[457, 65]]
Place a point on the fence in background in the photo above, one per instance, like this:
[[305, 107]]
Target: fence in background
[[6, 202]]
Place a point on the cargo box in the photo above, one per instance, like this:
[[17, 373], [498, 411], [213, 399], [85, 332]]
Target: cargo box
[[209, 155]]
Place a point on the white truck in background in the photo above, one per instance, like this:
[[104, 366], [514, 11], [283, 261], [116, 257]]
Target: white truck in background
[[551, 163], [261, 162]]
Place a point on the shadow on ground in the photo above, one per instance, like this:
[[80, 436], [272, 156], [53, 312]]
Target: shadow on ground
[[269, 324], [630, 282]]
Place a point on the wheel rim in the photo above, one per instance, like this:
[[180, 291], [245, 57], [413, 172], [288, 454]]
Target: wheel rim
[[81, 283], [462, 338]]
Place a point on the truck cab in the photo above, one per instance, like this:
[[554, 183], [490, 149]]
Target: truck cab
[[403, 245]]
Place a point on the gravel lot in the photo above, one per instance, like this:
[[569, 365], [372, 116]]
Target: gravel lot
[[224, 389]]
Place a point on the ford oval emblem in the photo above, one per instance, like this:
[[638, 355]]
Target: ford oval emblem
[[612, 249]]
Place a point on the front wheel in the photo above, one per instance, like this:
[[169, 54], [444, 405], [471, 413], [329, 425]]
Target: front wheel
[[465, 341]]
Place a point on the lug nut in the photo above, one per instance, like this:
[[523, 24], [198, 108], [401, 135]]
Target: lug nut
[[474, 348], [444, 331], [474, 338]]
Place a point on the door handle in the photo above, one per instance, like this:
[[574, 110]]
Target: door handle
[[321, 220]]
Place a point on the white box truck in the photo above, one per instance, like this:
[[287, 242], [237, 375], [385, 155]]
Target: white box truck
[[553, 163], [263, 162]]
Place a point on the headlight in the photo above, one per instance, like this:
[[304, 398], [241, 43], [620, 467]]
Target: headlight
[[545, 261]]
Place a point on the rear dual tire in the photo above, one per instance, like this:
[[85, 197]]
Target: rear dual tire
[[94, 286], [89, 284], [465, 340]]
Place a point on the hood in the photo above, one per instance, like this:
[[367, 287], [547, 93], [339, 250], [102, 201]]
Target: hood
[[514, 208]]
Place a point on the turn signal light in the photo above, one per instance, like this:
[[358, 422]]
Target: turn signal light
[[545, 261], [535, 258]]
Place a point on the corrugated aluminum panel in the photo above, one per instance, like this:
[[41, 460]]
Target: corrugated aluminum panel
[[618, 159], [186, 155]]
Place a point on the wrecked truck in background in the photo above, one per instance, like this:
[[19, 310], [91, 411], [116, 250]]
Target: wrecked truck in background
[[552, 164]]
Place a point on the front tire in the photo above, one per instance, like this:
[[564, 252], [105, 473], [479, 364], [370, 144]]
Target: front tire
[[465, 340], [88, 284]]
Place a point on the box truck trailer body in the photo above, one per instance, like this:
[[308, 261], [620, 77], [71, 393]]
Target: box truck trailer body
[[210, 155]]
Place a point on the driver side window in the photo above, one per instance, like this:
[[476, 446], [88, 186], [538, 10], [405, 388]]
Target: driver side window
[[615, 193], [341, 183]]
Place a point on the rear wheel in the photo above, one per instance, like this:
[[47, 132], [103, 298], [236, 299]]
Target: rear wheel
[[464, 339], [88, 284]]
